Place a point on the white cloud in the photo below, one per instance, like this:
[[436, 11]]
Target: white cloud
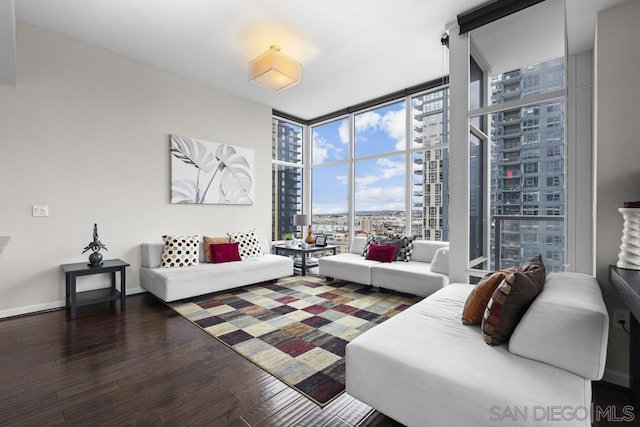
[[366, 121], [321, 148], [385, 169], [329, 208], [364, 181], [342, 179], [388, 168], [394, 125], [380, 198], [343, 131]]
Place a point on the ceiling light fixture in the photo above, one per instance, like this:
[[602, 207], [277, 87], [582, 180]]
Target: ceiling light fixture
[[275, 70]]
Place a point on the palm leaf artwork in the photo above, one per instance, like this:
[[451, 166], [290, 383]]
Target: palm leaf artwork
[[224, 171], [196, 154], [235, 180]]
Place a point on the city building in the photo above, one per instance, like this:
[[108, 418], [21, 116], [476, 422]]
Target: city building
[[287, 180], [527, 167], [430, 216]]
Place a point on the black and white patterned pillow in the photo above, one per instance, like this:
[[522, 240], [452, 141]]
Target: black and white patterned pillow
[[180, 251], [248, 244], [406, 249]]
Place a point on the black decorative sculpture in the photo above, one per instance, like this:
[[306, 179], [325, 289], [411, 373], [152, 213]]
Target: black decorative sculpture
[[95, 258]]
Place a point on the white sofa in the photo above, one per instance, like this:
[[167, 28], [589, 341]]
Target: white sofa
[[423, 367], [415, 276], [171, 284]]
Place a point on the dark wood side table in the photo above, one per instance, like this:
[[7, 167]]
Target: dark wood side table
[[303, 252], [76, 299], [627, 285]]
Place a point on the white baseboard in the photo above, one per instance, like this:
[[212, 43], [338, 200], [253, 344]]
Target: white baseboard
[[615, 377], [29, 309]]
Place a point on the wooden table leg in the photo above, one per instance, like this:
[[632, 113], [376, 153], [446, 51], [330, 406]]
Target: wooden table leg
[[123, 290]]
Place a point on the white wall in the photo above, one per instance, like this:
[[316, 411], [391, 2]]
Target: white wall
[[86, 132], [617, 112]]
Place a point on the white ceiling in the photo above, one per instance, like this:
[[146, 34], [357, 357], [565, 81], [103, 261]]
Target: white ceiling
[[351, 51]]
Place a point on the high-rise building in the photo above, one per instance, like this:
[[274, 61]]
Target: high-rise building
[[430, 215], [527, 166], [286, 180], [366, 224]]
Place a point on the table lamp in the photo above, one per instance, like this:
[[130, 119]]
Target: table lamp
[[301, 220]]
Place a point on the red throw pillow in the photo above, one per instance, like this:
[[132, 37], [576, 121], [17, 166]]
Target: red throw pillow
[[225, 252], [382, 253]]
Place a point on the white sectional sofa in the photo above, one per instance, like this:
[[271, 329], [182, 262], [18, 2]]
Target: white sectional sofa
[[171, 284], [416, 276], [423, 367]]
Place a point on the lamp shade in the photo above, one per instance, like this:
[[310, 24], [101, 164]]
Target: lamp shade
[[275, 70], [301, 219]]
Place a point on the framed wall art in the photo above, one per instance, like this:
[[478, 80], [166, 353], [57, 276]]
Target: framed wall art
[[204, 172]]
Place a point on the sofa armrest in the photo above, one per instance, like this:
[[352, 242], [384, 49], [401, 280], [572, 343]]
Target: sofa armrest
[[152, 254], [440, 263], [566, 326]]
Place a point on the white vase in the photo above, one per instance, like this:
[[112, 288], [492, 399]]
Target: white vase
[[629, 256]]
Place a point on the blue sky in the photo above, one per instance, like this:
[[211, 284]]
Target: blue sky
[[379, 182]]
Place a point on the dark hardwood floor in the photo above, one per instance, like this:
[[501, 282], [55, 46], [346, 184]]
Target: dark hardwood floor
[[149, 366], [145, 366]]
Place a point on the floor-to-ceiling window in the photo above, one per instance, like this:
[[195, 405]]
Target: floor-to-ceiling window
[[383, 170], [287, 175], [380, 170], [330, 180], [516, 140]]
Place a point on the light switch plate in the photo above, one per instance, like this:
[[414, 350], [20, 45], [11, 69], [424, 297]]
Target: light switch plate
[[40, 210]]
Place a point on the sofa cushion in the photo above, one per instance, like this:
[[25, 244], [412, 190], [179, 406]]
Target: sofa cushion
[[249, 245], [171, 284], [481, 294], [566, 326], [357, 245], [351, 267], [225, 252], [406, 248], [397, 243], [382, 253], [180, 251], [440, 263], [412, 277], [510, 301], [208, 241]]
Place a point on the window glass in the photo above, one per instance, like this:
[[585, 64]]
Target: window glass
[[286, 179], [381, 130], [430, 119], [286, 199], [430, 167], [476, 197], [330, 141], [539, 189], [527, 81], [330, 205], [380, 196]]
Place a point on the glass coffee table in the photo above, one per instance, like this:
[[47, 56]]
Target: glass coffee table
[[303, 253]]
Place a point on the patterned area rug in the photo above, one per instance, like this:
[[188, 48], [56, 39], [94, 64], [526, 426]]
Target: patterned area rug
[[295, 329]]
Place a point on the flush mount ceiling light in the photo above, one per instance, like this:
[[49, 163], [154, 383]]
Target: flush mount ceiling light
[[275, 70]]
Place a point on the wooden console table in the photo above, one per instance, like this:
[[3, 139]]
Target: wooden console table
[[627, 285], [76, 299]]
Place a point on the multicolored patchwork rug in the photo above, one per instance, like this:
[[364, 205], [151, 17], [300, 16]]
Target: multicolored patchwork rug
[[295, 329]]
